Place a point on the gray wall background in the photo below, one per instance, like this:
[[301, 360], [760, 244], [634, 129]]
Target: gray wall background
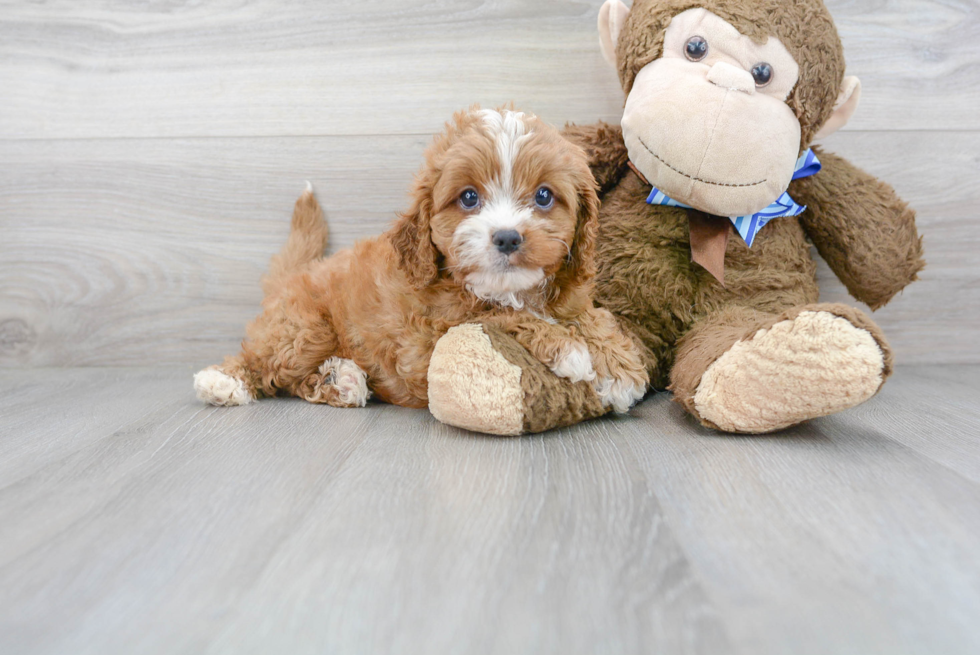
[[150, 152]]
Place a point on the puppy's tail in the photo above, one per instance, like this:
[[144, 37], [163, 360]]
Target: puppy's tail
[[307, 238]]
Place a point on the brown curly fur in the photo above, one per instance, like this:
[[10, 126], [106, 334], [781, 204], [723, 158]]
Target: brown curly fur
[[385, 302]]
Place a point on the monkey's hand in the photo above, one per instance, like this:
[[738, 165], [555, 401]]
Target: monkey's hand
[[604, 146], [860, 226]]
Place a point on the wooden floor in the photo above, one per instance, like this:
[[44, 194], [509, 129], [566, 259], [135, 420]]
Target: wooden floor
[[136, 520]]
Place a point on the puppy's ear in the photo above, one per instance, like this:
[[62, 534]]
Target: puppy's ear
[[412, 239], [582, 265]]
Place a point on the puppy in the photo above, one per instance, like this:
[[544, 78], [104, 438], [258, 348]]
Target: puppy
[[502, 231]]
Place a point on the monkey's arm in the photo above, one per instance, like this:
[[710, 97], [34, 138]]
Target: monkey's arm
[[860, 226], [604, 146]]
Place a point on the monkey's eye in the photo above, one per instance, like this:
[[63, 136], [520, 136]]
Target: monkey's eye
[[544, 198], [696, 48], [469, 199], [762, 74]]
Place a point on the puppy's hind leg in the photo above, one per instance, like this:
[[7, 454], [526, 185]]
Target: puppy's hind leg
[[338, 382], [226, 385], [283, 348]]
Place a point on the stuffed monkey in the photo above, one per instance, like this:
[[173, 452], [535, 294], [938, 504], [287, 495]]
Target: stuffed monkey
[[711, 199]]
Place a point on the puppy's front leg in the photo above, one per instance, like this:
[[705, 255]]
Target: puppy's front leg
[[621, 379], [337, 382], [553, 345]]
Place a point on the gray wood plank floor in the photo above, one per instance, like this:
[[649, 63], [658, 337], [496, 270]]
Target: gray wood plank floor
[[135, 520]]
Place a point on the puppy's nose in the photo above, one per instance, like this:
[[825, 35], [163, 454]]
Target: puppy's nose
[[507, 241]]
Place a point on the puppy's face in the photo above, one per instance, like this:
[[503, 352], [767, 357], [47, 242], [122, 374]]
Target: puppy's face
[[509, 204]]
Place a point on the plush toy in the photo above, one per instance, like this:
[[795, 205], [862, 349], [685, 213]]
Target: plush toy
[[711, 199]]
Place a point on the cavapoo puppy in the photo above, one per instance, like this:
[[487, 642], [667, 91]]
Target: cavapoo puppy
[[501, 231]]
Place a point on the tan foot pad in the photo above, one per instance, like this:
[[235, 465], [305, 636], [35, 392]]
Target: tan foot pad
[[472, 386], [813, 365]]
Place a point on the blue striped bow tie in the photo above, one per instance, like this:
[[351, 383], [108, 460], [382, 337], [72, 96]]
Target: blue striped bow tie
[[748, 226]]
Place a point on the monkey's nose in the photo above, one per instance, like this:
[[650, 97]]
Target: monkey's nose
[[507, 241], [731, 77]]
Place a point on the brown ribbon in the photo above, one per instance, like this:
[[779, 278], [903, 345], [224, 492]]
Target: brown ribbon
[[709, 241], [638, 173], [709, 237]]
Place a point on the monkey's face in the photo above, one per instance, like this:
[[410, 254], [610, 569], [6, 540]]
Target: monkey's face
[[708, 123]]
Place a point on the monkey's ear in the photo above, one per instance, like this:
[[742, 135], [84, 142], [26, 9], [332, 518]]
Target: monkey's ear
[[612, 17], [844, 108]]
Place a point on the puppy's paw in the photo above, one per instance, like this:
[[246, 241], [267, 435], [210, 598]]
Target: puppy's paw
[[619, 393], [217, 388], [348, 379], [574, 363]]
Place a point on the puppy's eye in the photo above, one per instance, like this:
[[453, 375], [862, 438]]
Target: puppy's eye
[[696, 48], [469, 199], [762, 74], [544, 198]]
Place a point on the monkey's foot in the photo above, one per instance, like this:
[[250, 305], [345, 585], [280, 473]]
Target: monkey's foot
[[814, 364], [481, 379], [474, 387]]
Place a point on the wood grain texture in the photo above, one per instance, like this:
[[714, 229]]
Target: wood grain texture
[[94, 68], [827, 515], [137, 520], [122, 251], [286, 528], [272, 68], [936, 319], [128, 252]]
